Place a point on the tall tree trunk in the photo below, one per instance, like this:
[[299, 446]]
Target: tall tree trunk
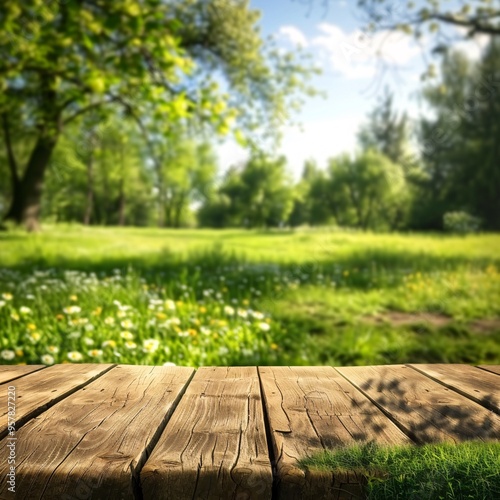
[[27, 196], [178, 210], [90, 189], [26, 200], [161, 195], [121, 205], [14, 175]]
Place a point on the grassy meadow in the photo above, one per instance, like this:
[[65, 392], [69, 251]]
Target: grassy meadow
[[235, 297]]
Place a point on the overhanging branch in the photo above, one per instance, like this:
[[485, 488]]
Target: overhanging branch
[[83, 110]]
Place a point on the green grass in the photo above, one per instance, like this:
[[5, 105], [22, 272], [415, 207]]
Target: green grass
[[206, 297], [462, 471]]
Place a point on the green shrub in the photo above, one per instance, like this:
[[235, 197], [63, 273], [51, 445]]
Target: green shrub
[[461, 222]]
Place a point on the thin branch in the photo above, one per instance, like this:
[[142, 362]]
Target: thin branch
[[81, 111], [475, 24]]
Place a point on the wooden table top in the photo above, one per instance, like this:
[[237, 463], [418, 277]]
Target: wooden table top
[[101, 431]]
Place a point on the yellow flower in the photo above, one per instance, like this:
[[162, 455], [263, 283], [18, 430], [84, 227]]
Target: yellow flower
[[59, 317], [245, 302], [97, 311], [274, 346], [203, 309], [192, 332], [130, 345], [14, 316], [7, 296], [74, 298], [19, 353], [109, 343], [34, 337], [31, 326], [161, 315], [178, 303]]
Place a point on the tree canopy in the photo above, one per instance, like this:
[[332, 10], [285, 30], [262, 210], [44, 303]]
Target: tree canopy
[[158, 61]]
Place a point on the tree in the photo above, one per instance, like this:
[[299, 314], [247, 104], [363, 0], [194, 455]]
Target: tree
[[369, 191], [59, 60], [311, 202], [188, 175], [386, 131], [461, 144], [256, 194], [97, 175]]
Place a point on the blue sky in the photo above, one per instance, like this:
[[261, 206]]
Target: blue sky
[[353, 75]]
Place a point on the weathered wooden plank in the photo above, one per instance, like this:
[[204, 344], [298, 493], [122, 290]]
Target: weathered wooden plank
[[491, 368], [94, 442], [40, 390], [425, 409], [479, 385], [214, 446], [314, 408], [12, 372]]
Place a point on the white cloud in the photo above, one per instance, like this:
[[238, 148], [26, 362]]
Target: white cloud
[[356, 55], [294, 35], [320, 140]]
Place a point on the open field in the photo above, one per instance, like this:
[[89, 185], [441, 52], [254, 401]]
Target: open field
[[233, 297]]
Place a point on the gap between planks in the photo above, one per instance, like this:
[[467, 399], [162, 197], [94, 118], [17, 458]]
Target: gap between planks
[[480, 386], [421, 407]]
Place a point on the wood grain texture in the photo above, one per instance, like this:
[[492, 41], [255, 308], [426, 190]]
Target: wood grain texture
[[425, 409], [491, 368], [479, 385], [214, 446], [12, 372], [94, 442], [42, 389], [314, 408]]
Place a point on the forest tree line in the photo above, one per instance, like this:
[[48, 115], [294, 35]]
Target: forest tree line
[[102, 173], [109, 113]]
